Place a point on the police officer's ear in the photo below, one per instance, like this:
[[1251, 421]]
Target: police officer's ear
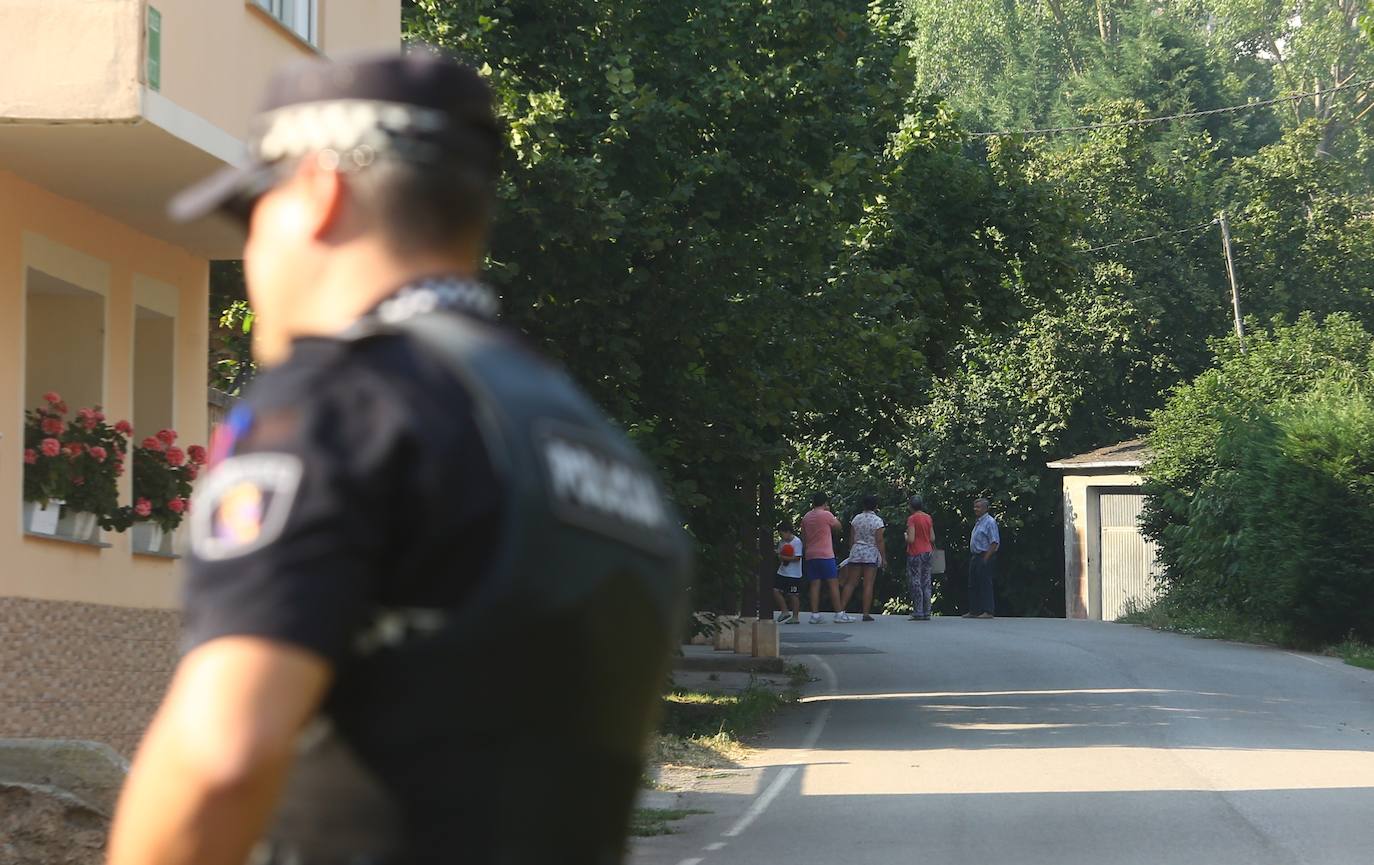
[[311, 204]]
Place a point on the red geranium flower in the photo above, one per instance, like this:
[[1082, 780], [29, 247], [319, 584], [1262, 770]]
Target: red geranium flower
[[197, 454], [52, 426], [52, 397], [143, 507], [51, 447], [60, 408], [74, 449], [99, 453], [124, 427], [30, 456], [176, 505], [167, 437], [152, 443], [175, 456], [192, 472]]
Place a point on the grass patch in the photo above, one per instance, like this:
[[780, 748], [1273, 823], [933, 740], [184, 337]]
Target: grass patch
[[696, 714], [645, 822], [707, 730], [1226, 625], [1209, 624], [1355, 653]]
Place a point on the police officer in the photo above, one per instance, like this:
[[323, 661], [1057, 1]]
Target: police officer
[[431, 592]]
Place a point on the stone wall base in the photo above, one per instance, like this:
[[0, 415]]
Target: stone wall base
[[83, 671]]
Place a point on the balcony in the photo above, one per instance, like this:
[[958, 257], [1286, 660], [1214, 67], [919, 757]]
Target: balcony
[[117, 104]]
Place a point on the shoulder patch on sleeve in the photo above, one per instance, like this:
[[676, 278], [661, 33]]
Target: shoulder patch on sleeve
[[244, 504]]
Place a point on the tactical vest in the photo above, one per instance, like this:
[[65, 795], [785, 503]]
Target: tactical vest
[[511, 730]]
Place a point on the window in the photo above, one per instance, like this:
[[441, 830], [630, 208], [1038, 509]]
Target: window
[[154, 371], [65, 342], [300, 16]]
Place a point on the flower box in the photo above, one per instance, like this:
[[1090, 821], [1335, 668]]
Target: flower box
[[42, 519], [149, 537], [78, 525]]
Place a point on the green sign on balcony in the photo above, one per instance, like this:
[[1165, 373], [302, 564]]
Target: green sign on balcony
[[154, 49]]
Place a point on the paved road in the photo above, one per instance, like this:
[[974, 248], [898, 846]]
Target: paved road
[[1047, 741]]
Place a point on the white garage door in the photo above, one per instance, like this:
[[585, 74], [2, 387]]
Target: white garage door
[[1128, 560]]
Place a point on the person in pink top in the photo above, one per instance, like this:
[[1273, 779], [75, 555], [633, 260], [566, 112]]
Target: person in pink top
[[818, 529], [920, 542]]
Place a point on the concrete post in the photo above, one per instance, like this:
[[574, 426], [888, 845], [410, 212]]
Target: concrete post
[[744, 637], [725, 635], [766, 643]]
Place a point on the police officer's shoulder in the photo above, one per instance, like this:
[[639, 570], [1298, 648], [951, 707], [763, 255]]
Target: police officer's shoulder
[[353, 390], [368, 362]]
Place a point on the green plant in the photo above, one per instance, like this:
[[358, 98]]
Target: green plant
[[47, 471], [797, 675], [162, 479]]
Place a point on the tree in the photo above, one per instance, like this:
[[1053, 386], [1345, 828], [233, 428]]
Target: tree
[[1304, 46], [733, 220]]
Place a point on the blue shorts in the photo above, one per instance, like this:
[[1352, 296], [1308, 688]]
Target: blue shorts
[[820, 569]]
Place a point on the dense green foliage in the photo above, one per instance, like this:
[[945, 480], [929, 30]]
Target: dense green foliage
[[736, 225], [761, 234], [1261, 483]]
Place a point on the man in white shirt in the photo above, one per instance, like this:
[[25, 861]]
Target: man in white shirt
[[983, 544]]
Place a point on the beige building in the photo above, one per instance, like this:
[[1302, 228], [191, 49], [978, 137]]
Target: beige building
[[1108, 564], [106, 108]]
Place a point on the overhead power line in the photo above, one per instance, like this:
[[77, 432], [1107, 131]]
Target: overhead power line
[[1197, 227], [1146, 121]]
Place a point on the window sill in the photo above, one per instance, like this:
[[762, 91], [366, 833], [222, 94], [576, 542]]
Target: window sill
[[171, 557], [276, 23], [99, 545]]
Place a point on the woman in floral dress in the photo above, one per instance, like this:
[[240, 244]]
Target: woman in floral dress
[[866, 549]]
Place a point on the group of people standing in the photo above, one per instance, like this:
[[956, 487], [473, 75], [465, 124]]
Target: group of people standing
[[809, 556]]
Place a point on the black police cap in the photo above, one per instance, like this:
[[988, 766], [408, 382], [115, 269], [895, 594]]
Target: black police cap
[[419, 107]]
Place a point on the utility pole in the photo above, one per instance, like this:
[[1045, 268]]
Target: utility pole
[[1231, 275]]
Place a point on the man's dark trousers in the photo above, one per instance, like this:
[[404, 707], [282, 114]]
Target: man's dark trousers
[[980, 584]]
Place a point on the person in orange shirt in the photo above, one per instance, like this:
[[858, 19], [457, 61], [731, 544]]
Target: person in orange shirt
[[920, 543]]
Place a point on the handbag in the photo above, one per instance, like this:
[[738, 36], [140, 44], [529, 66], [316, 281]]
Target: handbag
[[937, 561]]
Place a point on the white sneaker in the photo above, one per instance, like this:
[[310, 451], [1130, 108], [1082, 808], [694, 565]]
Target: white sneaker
[[815, 618], [844, 617], [781, 617]]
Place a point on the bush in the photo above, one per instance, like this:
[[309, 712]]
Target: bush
[[1262, 483], [1305, 506]]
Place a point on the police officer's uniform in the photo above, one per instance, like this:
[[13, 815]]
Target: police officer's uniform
[[487, 565]]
